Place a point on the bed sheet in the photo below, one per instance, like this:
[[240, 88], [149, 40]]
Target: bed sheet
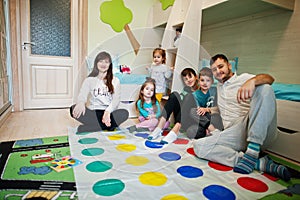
[[137, 79], [123, 165], [287, 91]]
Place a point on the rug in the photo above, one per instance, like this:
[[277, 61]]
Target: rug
[[37, 168], [123, 165]]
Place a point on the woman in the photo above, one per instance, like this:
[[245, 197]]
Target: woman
[[103, 90]]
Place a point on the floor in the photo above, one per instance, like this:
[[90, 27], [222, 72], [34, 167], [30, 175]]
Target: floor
[[40, 123]]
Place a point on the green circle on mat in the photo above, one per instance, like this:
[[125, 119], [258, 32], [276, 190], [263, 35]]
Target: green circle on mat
[[92, 151], [108, 187], [88, 140], [83, 133], [99, 166]]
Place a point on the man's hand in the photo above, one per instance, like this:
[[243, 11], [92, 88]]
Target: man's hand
[[246, 90]]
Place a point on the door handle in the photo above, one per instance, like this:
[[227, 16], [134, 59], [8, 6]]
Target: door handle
[[26, 45]]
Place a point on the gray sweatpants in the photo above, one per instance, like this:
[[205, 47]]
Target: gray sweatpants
[[259, 126]]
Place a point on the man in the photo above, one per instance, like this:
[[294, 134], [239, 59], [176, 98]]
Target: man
[[247, 106]]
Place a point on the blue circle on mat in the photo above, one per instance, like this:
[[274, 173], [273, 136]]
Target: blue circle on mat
[[190, 172], [88, 140], [169, 156], [142, 135], [154, 145], [216, 192], [92, 151]]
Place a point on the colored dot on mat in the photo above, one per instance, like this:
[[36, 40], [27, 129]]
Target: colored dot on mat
[[153, 145], [181, 141], [169, 156], [83, 133], [142, 135], [174, 197], [126, 147], [99, 166], [108, 187], [153, 178], [191, 151], [216, 192], [190, 172], [88, 140], [252, 184], [137, 160], [219, 167], [92, 151], [116, 137]]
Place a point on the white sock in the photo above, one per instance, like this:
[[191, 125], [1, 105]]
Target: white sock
[[171, 137], [155, 134]]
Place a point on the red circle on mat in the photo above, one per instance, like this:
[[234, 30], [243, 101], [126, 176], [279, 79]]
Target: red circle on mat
[[191, 151], [181, 141], [219, 167], [252, 184], [24, 155], [272, 178]]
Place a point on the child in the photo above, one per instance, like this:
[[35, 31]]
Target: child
[[160, 72], [104, 91], [205, 100], [178, 104], [148, 107]]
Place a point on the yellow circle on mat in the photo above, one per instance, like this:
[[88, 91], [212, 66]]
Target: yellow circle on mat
[[116, 137], [137, 160], [174, 197], [126, 147], [153, 178]]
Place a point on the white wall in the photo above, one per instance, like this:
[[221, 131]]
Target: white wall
[[102, 37], [263, 44]]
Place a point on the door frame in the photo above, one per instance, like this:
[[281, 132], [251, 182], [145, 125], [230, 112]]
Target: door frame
[[16, 48]]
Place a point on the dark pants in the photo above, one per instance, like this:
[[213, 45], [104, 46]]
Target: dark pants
[[92, 119], [180, 109]]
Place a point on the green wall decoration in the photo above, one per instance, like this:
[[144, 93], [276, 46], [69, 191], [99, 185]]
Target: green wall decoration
[[118, 17], [115, 14], [166, 3]]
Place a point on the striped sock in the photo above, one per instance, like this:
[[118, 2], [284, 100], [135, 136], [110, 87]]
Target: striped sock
[[247, 163], [265, 164]]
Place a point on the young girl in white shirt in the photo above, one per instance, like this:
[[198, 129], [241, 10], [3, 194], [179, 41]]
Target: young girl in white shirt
[[103, 90]]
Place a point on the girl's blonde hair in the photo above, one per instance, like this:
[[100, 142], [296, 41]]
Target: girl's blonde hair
[[141, 96]]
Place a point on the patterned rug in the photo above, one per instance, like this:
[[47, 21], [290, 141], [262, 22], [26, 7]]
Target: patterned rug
[[39, 168]]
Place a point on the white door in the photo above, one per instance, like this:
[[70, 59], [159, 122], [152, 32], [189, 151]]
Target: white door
[[49, 52]]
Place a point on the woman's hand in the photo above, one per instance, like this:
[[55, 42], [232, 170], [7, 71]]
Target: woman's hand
[[201, 111], [106, 118], [79, 110]]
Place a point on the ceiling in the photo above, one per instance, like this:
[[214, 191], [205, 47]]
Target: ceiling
[[233, 9]]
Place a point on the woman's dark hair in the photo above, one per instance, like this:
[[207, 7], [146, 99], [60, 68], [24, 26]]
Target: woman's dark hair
[[141, 96], [109, 75]]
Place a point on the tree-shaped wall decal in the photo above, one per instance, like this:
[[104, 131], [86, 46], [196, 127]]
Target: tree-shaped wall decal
[[166, 3], [118, 17]]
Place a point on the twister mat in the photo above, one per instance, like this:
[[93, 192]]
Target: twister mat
[[37, 168], [123, 165]]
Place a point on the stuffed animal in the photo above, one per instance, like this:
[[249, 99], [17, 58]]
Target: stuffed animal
[[125, 69]]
